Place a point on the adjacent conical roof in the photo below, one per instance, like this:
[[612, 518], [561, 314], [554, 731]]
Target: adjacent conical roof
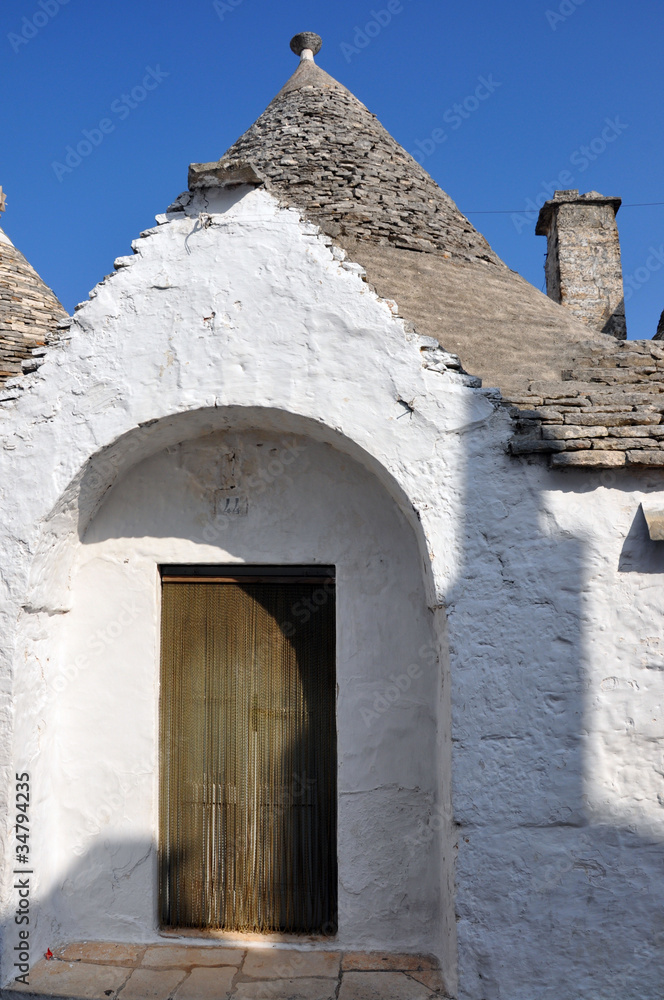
[[29, 311]]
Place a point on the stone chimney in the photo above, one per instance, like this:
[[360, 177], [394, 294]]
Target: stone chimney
[[583, 268]]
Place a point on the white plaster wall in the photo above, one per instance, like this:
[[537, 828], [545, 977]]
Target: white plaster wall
[[238, 316]]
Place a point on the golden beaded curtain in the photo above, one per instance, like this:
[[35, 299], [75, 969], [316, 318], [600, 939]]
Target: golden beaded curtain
[[248, 755]]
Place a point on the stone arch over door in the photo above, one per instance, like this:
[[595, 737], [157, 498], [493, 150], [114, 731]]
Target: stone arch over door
[[254, 486]]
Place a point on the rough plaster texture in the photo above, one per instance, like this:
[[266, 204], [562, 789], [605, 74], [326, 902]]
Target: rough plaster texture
[[236, 323], [583, 267], [557, 708]]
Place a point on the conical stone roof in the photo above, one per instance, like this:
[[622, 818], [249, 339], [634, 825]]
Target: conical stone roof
[[320, 150], [321, 146], [29, 311]]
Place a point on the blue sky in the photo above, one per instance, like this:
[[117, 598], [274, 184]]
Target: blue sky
[[567, 88]]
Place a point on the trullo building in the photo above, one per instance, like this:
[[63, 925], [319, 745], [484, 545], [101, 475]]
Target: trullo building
[[332, 579]]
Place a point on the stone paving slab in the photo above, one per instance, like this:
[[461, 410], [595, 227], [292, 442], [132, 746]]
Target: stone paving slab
[[151, 984], [167, 956], [103, 953], [382, 986], [375, 961], [287, 989], [433, 979], [69, 979], [291, 964], [207, 984]]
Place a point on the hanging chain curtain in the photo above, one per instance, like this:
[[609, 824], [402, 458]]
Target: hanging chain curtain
[[248, 757]]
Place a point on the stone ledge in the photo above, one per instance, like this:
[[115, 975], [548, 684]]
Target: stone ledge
[[570, 431], [612, 419], [646, 457], [589, 459], [594, 428]]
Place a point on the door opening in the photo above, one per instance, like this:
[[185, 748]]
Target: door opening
[[248, 757]]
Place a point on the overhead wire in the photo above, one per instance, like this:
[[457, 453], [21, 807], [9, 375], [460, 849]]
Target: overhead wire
[[522, 211]]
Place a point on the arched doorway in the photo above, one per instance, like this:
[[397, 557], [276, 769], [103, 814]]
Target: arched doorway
[[254, 497]]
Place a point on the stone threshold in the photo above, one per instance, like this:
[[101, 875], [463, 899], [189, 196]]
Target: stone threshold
[[112, 971]]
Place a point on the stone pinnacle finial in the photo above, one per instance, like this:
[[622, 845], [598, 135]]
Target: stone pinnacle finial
[[306, 45], [3, 200]]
